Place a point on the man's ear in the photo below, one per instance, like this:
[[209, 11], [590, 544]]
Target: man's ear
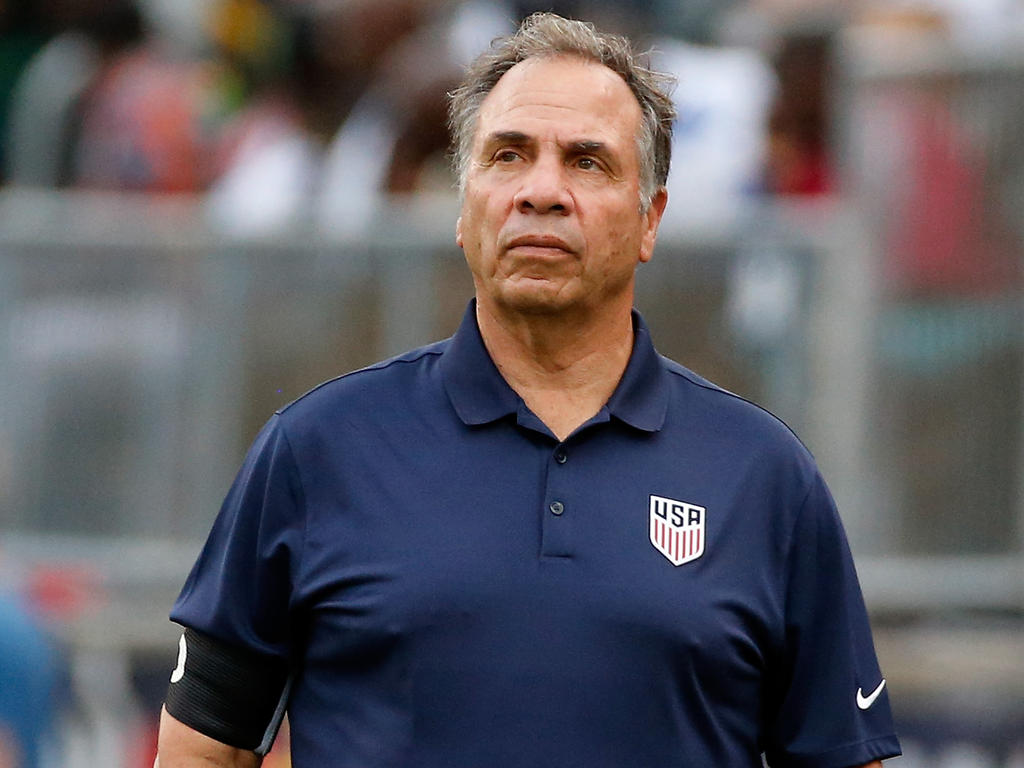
[[652, 218], [458, 231]]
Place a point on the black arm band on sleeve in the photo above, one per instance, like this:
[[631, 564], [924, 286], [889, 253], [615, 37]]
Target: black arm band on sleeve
[[230, 694]]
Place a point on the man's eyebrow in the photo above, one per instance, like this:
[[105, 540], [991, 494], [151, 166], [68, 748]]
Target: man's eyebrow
[[508, 137], [587, 146]]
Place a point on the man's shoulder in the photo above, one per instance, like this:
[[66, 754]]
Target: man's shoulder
[[731, 412], [385, 383]]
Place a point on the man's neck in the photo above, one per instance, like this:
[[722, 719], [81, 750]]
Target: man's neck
[[564, 367]]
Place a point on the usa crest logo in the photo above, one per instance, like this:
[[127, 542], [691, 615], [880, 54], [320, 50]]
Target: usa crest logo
[[677, 529]]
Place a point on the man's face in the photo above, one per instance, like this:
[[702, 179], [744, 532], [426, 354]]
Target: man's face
[[551, 219]]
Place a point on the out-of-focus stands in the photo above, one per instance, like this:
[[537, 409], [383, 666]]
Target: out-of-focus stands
[[845, 248]]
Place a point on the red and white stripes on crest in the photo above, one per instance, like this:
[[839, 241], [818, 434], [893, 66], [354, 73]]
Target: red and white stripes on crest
[[676, 543], [677, 529]]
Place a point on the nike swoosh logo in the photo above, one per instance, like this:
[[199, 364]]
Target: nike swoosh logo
[[179, 671], [865, 702]]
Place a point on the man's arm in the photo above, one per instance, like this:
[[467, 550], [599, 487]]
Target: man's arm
[[182, 747], [875, 764]]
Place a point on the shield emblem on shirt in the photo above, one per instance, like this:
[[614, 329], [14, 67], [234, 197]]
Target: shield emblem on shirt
[[677, 529]]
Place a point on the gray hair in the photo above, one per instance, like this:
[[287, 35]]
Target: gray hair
[[545, 35]]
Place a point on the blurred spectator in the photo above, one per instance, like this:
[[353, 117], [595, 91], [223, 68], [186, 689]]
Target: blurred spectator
[[142, 119], [27, 680], [946, 235], [799, 159], [42, 115], [105, 105], [722, 99], [267, 159], [399, 116], [981, 25], [358, 81], [21, 35], [944, 239]]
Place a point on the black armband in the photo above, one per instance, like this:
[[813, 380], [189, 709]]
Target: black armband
[[228, 693]]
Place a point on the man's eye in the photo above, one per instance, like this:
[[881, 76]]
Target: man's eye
[[506, 156], [587, 164]]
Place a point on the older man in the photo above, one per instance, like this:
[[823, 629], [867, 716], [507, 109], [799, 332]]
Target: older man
[[537, 543]]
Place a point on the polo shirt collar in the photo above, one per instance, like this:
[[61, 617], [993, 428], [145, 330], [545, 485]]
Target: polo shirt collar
[[480, 394], [475, 387], [641, 398]]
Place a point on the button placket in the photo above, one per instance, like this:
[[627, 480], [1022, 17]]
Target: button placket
[[558, 513]]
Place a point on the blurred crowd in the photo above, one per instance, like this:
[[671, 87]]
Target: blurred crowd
[[310, 112]]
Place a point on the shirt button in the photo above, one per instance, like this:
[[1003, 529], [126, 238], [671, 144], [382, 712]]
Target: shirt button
[[556, 507], [560, 456]]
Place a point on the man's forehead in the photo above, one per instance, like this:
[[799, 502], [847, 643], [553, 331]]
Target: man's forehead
[[559, 90], [557, 73]]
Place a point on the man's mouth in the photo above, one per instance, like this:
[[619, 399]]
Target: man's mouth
[[540, 243]]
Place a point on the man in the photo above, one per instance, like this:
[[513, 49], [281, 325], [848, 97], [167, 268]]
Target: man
[[537, 543]]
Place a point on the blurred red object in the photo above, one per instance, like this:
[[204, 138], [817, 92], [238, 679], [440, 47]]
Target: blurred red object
[[143, 126], [62, 592], [948, 235]]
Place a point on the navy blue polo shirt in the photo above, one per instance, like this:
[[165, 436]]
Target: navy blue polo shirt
[[455, 588]]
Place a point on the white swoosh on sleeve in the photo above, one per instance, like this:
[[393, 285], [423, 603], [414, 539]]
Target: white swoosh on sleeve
[[865, 702]]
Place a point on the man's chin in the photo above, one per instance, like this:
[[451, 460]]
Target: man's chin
[[536, 300]]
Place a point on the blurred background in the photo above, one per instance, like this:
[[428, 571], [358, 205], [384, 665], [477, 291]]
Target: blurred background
[[209, 206]]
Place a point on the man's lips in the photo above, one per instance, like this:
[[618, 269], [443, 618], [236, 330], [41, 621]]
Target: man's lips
[[540, 242]]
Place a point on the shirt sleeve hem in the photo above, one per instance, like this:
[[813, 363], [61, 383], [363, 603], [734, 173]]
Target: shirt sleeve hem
[[846, 756]]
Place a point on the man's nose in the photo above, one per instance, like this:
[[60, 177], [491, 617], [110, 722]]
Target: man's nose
[[545, 189]]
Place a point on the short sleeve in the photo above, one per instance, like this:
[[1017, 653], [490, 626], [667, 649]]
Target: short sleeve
[[239, 590], [831, 709]]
